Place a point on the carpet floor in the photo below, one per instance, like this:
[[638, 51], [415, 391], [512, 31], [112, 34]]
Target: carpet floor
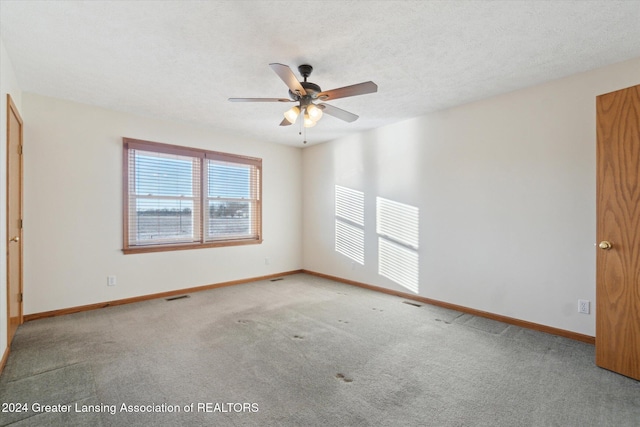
[[302, 351]]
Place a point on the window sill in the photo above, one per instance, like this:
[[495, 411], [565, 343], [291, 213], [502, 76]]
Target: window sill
[[187, 246]]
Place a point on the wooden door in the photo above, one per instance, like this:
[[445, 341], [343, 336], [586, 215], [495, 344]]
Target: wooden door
[[14, 219], [618, 232]]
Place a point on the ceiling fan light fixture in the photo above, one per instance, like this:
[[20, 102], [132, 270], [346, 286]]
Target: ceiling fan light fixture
[[308, 121], [315, 113], [292, 114]]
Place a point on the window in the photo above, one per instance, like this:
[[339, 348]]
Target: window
[[186, 198]]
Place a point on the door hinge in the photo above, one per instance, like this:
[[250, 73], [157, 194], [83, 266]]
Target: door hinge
[[21, 296], [20, 149], [20, 224]]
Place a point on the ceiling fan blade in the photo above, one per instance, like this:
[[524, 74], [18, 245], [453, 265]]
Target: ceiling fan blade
[[353, 90], [338, 113], [288, 78], [285, 122], [260, 100]]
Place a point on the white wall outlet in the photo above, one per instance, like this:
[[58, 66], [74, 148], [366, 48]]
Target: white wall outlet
[[266, 261], [111, 280], [584, 306]]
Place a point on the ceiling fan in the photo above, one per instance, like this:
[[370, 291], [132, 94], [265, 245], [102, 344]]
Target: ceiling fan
[[306, 94]]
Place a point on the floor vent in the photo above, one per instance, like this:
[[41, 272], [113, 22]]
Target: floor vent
[[415, 304], [178, 297], [275, 280]]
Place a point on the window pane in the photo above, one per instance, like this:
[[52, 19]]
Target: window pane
[[229, 219], [229, 181], [162, 206], [232, 190], [163, 175], [158, 221]]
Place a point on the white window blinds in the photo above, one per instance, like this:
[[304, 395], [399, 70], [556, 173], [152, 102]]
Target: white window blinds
[[233, 200], [182, 198]]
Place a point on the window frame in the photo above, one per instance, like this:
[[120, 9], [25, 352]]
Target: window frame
[[202, 199]]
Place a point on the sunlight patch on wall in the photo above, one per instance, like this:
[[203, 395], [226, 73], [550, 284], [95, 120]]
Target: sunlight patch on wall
[[350, 241], [349, 230], [397, 226], [398, 263], [398, 222]]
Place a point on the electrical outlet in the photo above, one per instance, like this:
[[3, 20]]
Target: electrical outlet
[[266, 261], [111, 280], [584, 306]]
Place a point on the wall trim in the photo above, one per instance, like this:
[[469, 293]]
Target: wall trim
[[5, 356], [81, 308], [505, 319]]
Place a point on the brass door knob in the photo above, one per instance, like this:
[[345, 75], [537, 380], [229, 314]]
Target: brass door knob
[[14, 239], [605, 245]]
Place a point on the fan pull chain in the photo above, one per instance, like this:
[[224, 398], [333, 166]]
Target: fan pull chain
[[303, 130]]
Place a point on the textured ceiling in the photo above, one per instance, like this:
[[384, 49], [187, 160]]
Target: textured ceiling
[[181, 60]]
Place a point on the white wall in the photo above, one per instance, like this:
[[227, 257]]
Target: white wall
[[73, 209], [506, 192], [8, 85]]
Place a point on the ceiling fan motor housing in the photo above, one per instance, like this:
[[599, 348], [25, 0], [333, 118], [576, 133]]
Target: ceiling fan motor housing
[[312, 90]]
